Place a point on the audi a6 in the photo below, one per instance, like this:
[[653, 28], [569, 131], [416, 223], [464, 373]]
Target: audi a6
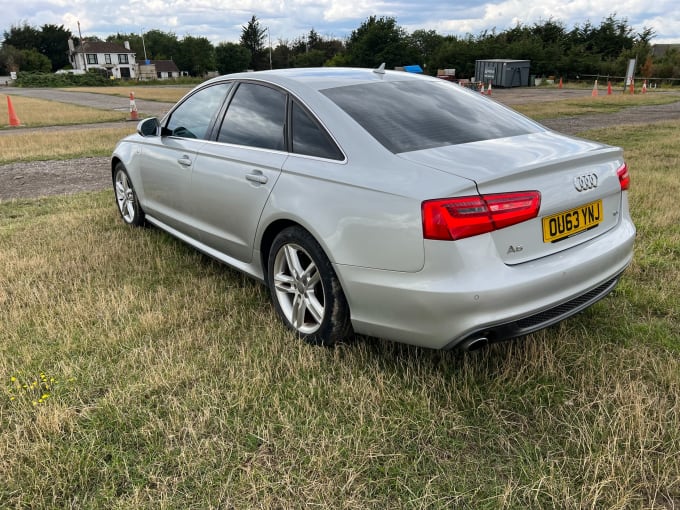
[[383, 203]]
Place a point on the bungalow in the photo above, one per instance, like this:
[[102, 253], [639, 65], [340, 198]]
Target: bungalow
[[116, 60], [166, 69], [158, 70]]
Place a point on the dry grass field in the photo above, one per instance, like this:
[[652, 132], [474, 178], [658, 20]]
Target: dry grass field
[[137, 373], [38, 113]]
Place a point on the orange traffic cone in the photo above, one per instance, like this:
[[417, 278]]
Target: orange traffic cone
[[133, 107], [13, 119], [644, 87], [481, 87], [594, 93], [560, 85], [609, 88], [632, 86], [488, 91]]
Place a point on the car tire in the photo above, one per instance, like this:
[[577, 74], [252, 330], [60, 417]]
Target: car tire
[[305, 289], [126, 198]]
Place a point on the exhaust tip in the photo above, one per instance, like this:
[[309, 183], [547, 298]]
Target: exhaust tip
[[474, 344]]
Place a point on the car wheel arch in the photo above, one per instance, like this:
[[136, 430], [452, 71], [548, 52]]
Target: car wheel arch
[[277, 226], [268, 236], [115, 161]]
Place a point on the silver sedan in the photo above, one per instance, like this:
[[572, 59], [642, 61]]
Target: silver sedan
[[384, 203]]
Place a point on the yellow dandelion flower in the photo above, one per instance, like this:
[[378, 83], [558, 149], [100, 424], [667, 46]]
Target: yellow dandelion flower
[[13, 379], [34, 403]]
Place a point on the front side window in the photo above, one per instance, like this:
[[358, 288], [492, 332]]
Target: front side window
[[193, 118], [309, 138], [92, 58], [123, 58], [256, 117], [107, 58]]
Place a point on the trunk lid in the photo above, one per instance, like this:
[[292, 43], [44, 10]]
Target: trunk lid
[[577, 179]]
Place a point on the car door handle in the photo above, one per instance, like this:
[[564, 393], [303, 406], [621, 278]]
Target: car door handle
[[257, 176], [184, 161]]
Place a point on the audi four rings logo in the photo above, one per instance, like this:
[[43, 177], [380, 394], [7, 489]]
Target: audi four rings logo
[[585, 182]]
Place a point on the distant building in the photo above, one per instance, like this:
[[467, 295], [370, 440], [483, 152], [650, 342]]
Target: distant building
[[116, 60], [503, 72], [158, 70], [659, 50]]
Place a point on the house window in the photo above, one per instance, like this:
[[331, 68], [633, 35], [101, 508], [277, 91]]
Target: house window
[[92, 58], [122, 58], [107, 58]]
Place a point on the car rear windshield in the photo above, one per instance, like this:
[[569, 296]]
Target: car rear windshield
[[413, 115]]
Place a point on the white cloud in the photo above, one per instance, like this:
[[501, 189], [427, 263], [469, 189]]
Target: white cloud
[[221, 20]]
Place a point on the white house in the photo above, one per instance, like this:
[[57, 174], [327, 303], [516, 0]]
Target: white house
[[118, 61]]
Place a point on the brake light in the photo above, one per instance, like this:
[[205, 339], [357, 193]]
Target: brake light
[[449, 219], [624, 177]]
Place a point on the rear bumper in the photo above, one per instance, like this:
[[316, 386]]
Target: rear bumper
[[466, 290], [539, 320]]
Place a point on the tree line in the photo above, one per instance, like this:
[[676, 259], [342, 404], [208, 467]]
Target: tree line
[[552, 48]]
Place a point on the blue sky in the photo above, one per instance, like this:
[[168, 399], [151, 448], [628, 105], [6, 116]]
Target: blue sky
[[221, 20]]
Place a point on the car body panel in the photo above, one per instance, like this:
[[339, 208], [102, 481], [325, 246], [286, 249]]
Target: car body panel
[[229, 188], [545, 161]]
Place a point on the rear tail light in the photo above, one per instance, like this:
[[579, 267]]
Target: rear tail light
[[624, 177], [449, 219]]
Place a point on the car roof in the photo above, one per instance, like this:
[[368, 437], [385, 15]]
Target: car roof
[[319, 78]]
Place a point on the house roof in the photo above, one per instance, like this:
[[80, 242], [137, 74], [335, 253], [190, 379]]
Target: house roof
[[165, 66], [101, 47]]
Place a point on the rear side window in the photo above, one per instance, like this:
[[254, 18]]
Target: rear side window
[[311, 139], [256, 117], [193, 118], [421, 114]]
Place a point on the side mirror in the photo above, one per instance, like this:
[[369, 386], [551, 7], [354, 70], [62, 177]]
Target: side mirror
[[148, 127]]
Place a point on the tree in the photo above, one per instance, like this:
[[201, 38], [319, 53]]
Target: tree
[[196, 55], [311, 58], [425, 43], [281, 55], [23, 37], [54, 45], [252, 38], [161, 45], [231, 58], [10, 58], [380, 40], [34, 61]]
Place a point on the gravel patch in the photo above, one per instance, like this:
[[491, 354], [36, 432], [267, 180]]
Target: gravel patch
[[44, 178]]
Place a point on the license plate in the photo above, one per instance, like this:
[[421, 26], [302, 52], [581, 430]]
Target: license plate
[[567, 223]]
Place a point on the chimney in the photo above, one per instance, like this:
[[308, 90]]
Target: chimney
[[71, 47], [127, 45]]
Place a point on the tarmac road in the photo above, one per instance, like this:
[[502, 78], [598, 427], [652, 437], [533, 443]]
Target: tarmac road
[[100, 101]]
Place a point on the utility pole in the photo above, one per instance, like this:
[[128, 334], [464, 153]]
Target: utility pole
[[270, 47], [144, 46], [82, 47]]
